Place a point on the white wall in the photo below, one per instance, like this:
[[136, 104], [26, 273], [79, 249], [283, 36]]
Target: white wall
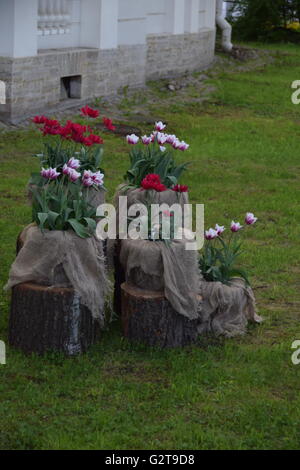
[[101, 24], [99, 29], [207, 14], [175, 16], [191, 21], [156, 17], [132, 22], [18, 28], [210, 14]]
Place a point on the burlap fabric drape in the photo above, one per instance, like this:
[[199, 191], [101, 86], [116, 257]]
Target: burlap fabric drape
[[227, 309], [141, 196], [43, 256], [96, 197], [155, 265]]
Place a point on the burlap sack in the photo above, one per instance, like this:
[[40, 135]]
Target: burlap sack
[[62, 259], [155, 265], [96, 197], [142, 196], [226, 309]]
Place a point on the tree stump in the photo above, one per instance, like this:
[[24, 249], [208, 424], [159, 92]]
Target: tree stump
[[119, 278], [148, 318], [46, 318], [49, 319]]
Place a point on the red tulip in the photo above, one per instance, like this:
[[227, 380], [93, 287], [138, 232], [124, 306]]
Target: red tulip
[[152, 181], [95, 139], [109, 124], [180, 188], [39, 119], [87, 111]]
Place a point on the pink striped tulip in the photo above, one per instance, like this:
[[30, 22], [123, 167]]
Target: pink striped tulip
[[250, 219], [73, 163], [132, 139], [74, 175], [50, 173], [211, 234], [235, 226], [146, 140], [160, 126], [220, 229]]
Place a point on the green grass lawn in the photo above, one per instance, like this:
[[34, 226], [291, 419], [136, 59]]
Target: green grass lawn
[[223, 394]]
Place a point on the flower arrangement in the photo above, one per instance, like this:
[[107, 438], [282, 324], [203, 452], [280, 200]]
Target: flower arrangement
[[69, 147], [70, 168], [155, 156], [218, 260], [63, 205]]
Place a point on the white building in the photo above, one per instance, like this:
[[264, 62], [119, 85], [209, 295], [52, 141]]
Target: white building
[[53, 50]]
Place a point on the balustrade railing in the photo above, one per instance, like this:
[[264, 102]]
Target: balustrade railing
[[54, 17]]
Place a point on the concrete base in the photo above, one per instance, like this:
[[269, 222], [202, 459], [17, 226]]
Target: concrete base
[[70, 76]]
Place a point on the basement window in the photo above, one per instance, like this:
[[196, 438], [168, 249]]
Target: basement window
[[70, 87]]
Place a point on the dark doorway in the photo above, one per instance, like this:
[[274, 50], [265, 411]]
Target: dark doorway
[[70, 87]]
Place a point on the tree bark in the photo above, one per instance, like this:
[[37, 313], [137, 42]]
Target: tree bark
[[119, 278], [50, 319], [148, 318]]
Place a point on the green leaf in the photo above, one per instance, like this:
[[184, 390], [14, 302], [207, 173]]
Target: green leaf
[[52, 216], [77, 209], [42, 218], [172, 179], [98, 157], [240, 273], [91, 223], [68, 211], [79, 228]]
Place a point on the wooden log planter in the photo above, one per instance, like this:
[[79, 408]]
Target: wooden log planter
[[148, 318], [44, 319], [50, 319]]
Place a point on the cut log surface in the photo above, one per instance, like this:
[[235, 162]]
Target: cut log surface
[[148, 318], [50, 319]]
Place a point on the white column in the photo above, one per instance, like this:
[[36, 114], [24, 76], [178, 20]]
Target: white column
[[175, 12], [18, 28], [191, 16], [99, 24]]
